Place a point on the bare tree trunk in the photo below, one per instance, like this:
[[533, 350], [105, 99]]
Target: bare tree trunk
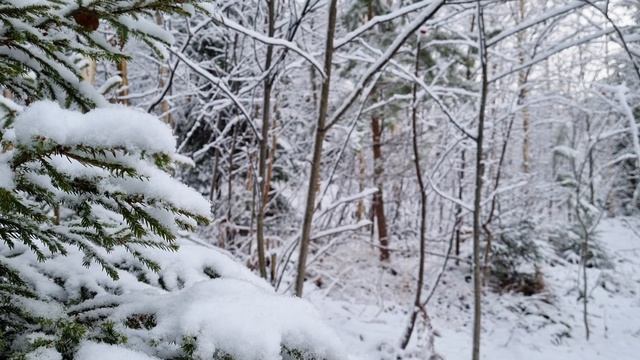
[[317, 151], [123, 69], [583, 259], [272, 154], [417, 305], [89, 72], [477, 204], [522, 81], [163, 74], [378, 199], [362, 173], [458, 223], [378, 172], [585, 285], [586, 231], [592, 190], [230, 233], [264, 144], [215, 176]]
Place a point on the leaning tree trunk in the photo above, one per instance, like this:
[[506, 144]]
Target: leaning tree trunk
[[314, 177]]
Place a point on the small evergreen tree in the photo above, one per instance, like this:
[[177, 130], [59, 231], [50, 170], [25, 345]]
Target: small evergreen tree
[[94, 177]]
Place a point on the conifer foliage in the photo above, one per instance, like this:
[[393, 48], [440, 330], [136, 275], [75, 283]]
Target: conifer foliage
[[43, 42], [78, 173]]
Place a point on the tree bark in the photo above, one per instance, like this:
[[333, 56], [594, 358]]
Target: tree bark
[[317, 151], [378, 199], [264, 144], [163, 74], [417, 305], [123, 69], [362, 172], [89, 73], [522, 82], [215, 176], [459, 222], [463, 164], [477, 203]]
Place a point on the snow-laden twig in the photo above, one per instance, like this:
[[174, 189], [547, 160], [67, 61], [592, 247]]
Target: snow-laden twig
[[220, 84], [361, 195], [408, 30], [503, 189], [340, 229], [553, 51], [560, 10], [376, 20], [427, 89], [221, 20]]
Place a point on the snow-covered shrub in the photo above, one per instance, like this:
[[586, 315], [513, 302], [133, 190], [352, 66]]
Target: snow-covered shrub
[[568, 242], [577, 240], [515, 257]]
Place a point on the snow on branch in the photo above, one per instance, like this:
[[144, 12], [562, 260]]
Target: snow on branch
[[115, 126], [553, 51], [341, 229], [376, 20], [220, 19], [220, 84], [361, 195], [408, 30], [536, 20]]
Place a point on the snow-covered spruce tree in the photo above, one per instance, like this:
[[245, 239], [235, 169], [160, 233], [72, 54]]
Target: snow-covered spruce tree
[[88, 208], [91, 181]]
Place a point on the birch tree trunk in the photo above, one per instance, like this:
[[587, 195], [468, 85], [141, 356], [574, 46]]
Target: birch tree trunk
[[263, 196], [522, 83]]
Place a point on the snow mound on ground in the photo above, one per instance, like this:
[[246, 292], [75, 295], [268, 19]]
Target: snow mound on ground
[[539, 327]]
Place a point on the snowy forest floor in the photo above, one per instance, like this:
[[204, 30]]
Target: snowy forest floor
[[370, 311]]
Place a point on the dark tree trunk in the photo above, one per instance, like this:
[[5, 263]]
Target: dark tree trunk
[[378, 199]]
